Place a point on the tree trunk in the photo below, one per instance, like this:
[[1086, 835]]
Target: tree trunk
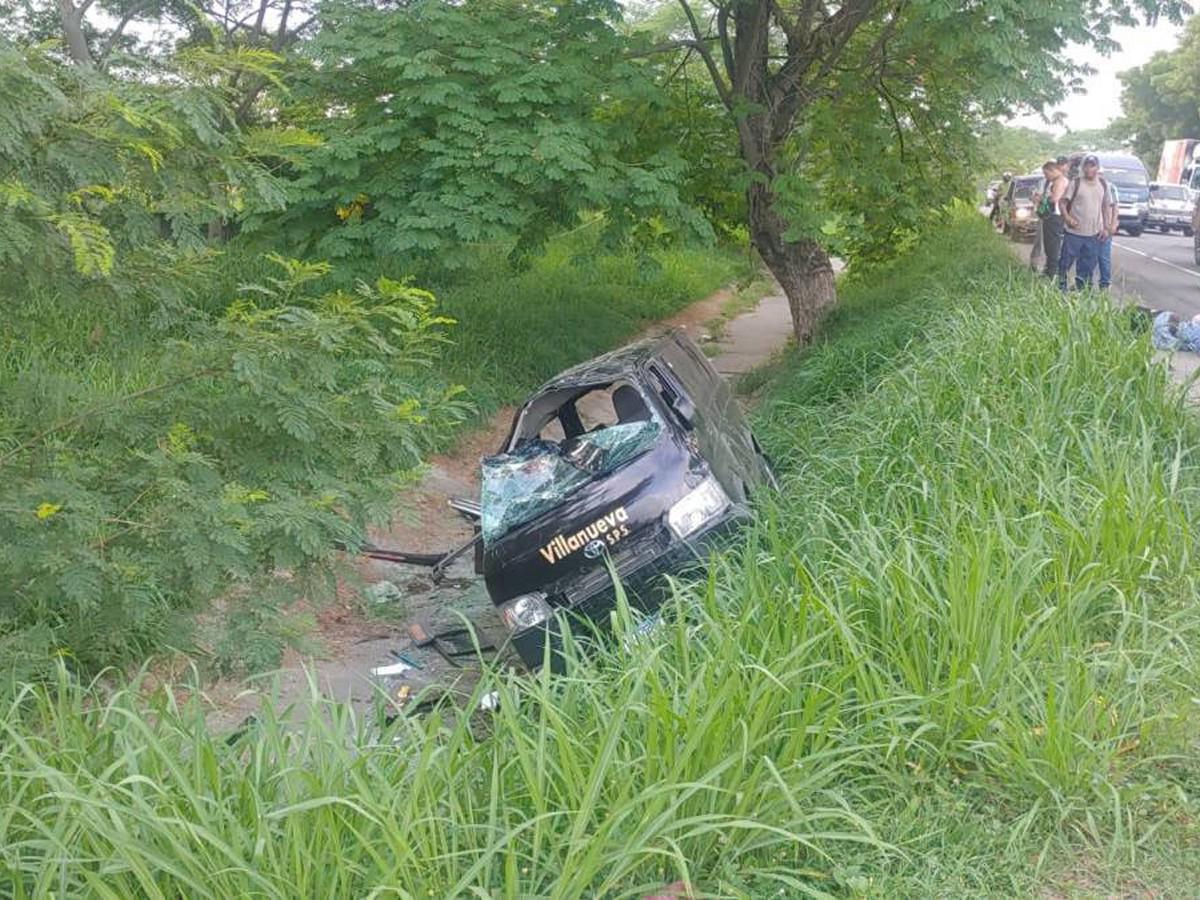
[[71, 19], [802, 267]]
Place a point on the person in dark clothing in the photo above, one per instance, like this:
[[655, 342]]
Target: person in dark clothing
[[1050, 213]]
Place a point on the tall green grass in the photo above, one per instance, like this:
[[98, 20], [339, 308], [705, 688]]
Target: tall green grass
[[515, 328], [961, 641]]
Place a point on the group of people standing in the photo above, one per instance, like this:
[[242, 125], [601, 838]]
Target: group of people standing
[[1077, 218]]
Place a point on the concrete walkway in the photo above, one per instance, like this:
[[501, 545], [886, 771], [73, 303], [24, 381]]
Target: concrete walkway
[[754, 337]]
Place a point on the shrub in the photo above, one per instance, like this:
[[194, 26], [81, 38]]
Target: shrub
[[242, 446]]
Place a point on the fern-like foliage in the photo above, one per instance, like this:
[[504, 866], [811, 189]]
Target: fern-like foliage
[[93, 167], [448, 124], [247, 443]]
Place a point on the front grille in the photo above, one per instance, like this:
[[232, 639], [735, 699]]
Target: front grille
[[642, 550]]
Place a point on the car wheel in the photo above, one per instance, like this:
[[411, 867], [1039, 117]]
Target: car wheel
[[1135, 232], [1187, 232]]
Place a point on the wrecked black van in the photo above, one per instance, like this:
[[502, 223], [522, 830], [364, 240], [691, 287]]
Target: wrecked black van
[[632, 462]]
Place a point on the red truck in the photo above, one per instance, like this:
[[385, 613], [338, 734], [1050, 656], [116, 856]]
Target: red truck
[[1177, 165]]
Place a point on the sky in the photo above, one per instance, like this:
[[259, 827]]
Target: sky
[[1102, 101]]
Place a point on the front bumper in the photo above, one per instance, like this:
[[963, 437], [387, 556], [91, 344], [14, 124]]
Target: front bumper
[[588, 603], [1169, 219], [1127, 216]]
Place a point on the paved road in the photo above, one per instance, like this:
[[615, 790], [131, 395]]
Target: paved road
[[1160, 268]]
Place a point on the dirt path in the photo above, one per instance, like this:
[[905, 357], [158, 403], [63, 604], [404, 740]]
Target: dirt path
[[365, 628]]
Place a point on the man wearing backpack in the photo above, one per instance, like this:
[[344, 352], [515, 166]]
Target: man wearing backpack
[[1085, 214]]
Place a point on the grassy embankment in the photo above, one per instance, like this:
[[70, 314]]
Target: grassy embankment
[[955, 658]]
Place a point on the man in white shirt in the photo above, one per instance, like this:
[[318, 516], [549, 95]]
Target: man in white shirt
[[1085, 214]]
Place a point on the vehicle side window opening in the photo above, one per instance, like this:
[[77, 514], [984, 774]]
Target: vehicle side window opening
[[574, 414], [669, 390]]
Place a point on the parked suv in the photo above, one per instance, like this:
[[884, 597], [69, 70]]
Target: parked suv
[[1015, 215], [632, 463], [1170, 208]]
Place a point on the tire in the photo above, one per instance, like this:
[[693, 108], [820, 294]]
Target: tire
[[1187, 232], [1135, 231]]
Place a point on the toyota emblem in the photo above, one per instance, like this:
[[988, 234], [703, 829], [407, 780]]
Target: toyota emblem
[[594, 549]]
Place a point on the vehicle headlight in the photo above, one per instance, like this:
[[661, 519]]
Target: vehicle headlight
[[1022, 213], [526, 611], [700, 506]]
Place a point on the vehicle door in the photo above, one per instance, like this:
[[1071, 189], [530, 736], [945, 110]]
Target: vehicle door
[[718, 425]]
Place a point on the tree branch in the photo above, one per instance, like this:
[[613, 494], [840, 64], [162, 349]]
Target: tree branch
[[887, 99], [665, 47], [751, 45], [281, 32], [726, 46], [71, 19], [130, 15], [700, 45], [262, 15]]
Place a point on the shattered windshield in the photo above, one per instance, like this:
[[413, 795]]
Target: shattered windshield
[[559, 449]]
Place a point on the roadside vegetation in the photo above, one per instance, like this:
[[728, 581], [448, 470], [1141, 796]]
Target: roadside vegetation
[[163, 455], [956, 657], [195, 403]]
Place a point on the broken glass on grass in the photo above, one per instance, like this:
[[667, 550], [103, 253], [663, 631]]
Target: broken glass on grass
[[537, 476]]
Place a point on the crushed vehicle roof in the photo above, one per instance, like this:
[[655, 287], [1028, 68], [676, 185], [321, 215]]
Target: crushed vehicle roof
[[609, 366]]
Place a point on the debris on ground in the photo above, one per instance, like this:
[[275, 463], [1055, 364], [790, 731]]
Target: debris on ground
[[1171, 332], [382, 593], [354, 639]]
